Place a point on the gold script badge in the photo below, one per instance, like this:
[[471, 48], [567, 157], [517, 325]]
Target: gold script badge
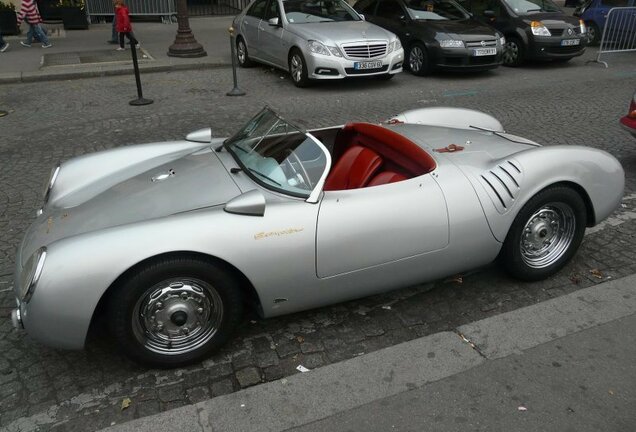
[[262, 235]]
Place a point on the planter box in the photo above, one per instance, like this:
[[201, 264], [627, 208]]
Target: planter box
[[49, 10], [74, 18], [8, 23]]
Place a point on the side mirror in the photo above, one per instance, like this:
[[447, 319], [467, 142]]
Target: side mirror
[[402, 19], [489, 14], [201, 135], [250, 203], [362, 16], [274, 22]]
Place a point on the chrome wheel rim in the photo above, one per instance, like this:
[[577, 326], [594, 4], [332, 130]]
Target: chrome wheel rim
[[177, 316], [241, 52], [296, 68], [591, 34], [511, 53], [547, 235], [416, 59]]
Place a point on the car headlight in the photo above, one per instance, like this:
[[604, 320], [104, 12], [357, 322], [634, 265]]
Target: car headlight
[[31, 274], [317, 48], [451, 43], [502, 41], [394, 46], [335, 51], [538, 29], [583, 27]]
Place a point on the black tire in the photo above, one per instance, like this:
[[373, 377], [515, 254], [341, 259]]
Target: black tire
[[594, 33], [545, 235], [195, 307], [298, 68], [417, 60], [242, 56], [515, 52]]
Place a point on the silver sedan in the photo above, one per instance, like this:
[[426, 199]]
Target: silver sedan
[[315, 39]]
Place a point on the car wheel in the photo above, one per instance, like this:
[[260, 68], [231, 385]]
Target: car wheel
[[241, 54], [514, 53], [298, 69], [174, 311], [593, 33], [545, 234], [418, 61]]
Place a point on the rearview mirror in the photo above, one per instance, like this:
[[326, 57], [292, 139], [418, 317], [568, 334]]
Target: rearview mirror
[[274, 22], [250, 203]]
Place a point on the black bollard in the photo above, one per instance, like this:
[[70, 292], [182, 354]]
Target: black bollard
[[236, 91], [140, 97]]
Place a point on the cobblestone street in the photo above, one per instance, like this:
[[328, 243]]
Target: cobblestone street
[[46, 389]]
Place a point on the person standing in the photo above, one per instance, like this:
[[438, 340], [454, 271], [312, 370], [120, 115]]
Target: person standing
[[3, 45], [114, 39], [123, 25], [29, 12]]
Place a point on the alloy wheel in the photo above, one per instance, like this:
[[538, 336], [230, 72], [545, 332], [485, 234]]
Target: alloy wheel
[[296, 64], [416, 59]]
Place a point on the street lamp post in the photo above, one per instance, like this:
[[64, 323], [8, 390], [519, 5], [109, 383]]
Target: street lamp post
[[185, 45]]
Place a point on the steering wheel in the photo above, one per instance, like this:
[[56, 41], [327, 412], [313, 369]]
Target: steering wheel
[[304, 177]]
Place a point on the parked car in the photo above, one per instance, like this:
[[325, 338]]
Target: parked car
[[628, 122], [436, 34], [171, 240], [594, 14], [315, 39], [534, 29]]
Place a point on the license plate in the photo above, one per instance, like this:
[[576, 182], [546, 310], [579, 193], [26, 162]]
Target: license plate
[[367, 65], [484, 51], [569, 42]]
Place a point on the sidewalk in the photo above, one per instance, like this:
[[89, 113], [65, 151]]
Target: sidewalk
[[86, 53], [564, 364]]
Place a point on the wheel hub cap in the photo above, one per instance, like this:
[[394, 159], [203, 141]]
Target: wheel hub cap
[[296, 68], [416, 59], [547, 235]]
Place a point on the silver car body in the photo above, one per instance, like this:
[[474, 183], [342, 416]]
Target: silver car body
[[110, 211], [271, 44]]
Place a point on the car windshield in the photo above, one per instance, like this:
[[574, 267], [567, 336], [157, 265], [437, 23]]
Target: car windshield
[[435, 10], [313, 11], [526, 7], [278, 155]]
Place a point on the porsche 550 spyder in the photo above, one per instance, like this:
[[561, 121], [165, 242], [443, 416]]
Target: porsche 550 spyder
[[173, 240]]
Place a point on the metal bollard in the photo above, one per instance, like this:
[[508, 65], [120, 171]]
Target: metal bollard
[[236, 91], [140, 97]]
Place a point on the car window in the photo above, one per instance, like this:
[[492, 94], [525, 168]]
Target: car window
[[272, 10], [257, 9], [435, 10], [312, 11], [525, 7], [390, 9], [479, 6], [615, 3], [366, 7]]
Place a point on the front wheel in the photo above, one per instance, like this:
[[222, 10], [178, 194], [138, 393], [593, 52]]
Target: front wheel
[[175, 311], [593, 33], [514, 52], [298, 69], [545, 235], [417, 60], [242, 55]]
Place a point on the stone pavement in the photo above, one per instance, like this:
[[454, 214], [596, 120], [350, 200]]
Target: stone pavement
[[563, 365]]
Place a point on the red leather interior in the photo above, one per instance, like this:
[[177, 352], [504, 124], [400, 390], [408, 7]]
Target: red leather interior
[[354, 169], [386, 177]]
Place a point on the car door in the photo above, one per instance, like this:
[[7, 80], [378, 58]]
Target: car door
[[249, 27], [270, 37], [372, 226], [620, 19], [391, 15]]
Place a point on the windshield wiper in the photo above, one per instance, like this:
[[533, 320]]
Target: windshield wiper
[[264, 176]]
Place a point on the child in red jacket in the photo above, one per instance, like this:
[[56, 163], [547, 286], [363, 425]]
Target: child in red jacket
[[123, 26]]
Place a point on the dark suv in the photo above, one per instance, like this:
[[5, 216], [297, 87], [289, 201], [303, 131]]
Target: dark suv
[[534, 29]]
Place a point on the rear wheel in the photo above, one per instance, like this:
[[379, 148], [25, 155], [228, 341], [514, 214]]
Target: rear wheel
[[175, 311], [514, 52], [545, 235], [418, 61], [241, 54], [298, 68], [593, 33]]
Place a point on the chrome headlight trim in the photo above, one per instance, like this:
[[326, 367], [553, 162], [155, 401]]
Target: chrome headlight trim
[[33, 269], [451, 43], [54, 173]]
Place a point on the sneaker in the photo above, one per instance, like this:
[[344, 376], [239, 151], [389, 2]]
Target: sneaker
[[25, 44], [48, 45], [4, 47], [120, 49]]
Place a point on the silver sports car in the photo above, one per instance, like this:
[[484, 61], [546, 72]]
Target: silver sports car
[[315, 39], [173, 240]]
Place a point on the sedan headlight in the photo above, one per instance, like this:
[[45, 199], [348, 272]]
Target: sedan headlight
[[31, 274], [502, 41], [451, 43], [317, 48], [583, 27], [538, 29], [335, 51]]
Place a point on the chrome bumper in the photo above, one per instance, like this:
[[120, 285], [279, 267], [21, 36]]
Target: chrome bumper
[[16, 319]]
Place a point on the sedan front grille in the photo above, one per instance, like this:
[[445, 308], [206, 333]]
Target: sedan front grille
[[365, 50], [481, 44]]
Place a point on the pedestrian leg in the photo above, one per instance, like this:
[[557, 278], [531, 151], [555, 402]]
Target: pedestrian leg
[[42, 36]]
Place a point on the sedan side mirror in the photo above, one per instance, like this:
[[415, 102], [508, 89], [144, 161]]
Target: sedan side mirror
[[274, 22], [489, 14], [362, 16]]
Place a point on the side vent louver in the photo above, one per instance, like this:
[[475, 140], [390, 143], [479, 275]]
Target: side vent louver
[[503, 183]]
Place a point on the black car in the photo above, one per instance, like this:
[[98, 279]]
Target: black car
[[534, 29], [436, 34]]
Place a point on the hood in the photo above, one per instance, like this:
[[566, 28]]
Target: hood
[[552, 19], [467, 30], [339, 32], [191, 182]]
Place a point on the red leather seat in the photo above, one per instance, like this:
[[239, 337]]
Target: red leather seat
[[386, 177], [354, 169]]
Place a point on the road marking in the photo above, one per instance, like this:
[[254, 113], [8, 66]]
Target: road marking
[[460, 93], [627, 74]]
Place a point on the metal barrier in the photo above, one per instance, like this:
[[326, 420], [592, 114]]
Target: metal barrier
[[166, 9], [216, 7], [619, 33]]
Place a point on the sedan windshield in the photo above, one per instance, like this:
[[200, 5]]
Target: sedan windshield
[[435, 10], [525, 7], [278, 155], [312, 11]]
